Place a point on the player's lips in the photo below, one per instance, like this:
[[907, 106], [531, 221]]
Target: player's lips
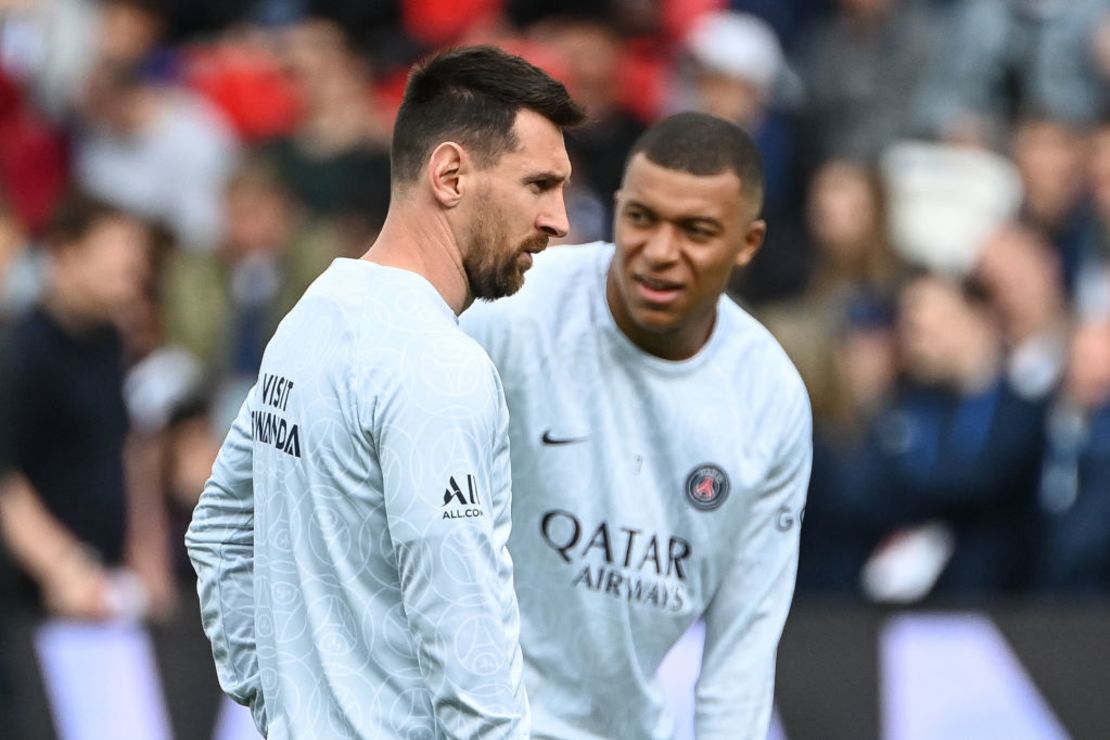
[[534, 247], [656, 290]]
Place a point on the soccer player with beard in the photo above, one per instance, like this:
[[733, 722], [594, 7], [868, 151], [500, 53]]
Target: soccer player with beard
[[351, 542], [661, 447]]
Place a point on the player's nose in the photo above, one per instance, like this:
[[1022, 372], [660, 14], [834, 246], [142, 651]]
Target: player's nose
[[554, 221], [661, 244]]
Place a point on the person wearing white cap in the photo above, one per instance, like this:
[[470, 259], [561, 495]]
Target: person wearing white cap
[[738, 60]]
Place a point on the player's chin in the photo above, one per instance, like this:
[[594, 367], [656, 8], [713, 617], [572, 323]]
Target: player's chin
[[510, 282], [656, 320], [514, 278]]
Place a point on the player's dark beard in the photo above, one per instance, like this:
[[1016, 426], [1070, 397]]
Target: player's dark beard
[[492, 273]]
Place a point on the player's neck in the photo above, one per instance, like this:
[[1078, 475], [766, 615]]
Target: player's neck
[[676, 346], [412, 240], [681, 343]]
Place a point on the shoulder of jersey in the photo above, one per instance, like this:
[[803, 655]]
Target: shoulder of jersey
[[563, 261], [768, 353], [557, 272]]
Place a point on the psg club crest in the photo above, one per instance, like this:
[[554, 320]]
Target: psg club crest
[[707, 487]]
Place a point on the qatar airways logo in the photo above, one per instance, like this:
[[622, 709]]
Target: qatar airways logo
[[620, 562]]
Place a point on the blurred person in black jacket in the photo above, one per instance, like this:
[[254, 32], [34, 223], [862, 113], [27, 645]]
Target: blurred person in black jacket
[[948, 469], [64, 511], [1075, 486]]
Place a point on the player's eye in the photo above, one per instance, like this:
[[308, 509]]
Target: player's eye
[[541, 186], [699, 233], [638, 217]]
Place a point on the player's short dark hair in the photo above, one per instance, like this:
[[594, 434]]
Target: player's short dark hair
[[471, 96], [701, 144]]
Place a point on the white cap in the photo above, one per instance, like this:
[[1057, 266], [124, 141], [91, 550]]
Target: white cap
[[945, 201], [737, 44]]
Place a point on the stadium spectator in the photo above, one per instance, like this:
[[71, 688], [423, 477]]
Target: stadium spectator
[[854, 273], [862, 369], [241, 73], [158, 150], [65, 515], [1073, 68], [956, 448], [33, 169], [1050, 155], [1021, 276], [1074, 552], [592, 51], [737, 74], [224, 306], [861, 71], [839, 333], [337, 161], [1091, 294], [987, 70]]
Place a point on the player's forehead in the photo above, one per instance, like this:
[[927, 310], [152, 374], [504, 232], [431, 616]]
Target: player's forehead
[[540, 147], [677, 194]]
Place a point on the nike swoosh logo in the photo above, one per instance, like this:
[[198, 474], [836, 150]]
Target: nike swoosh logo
[[549, 440]]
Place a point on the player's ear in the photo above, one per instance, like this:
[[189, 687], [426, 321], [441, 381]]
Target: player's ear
[[753, 240], [446, 167]]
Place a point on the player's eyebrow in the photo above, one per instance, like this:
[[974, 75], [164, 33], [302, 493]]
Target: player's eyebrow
[[633, 203], [681, 219], [701, 221], [549, 178]]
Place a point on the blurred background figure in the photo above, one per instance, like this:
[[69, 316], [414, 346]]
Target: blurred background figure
[[1051, 155], [1073, 68], [192, 442], [1090, 296], [1021, 275], [336, 160], [155, 149], [738, 63], [592, 51], [851, 281], [223, 306], [81, 530], [840, 334], [952, 458], [33, 167], [988, 70], [861, 69], [1074, 555]]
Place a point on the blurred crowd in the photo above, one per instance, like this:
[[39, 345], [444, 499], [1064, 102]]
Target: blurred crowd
[[174, 173]]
